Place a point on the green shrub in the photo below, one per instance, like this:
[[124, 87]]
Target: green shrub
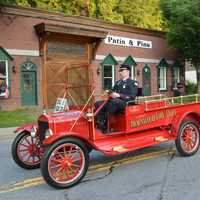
[[191, 88]]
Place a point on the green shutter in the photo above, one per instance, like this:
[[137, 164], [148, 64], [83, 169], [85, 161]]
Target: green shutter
[[4, 55], [163, 63], [130, 61], [177, 64], [109, 60]]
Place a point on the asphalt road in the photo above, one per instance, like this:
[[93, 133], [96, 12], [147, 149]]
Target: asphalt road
[[156, 173]]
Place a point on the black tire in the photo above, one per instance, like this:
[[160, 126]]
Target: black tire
[[187, 146], [89, 148], [16, 155], [53, 152]]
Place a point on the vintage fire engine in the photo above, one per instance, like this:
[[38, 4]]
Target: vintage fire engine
[[61, 141]]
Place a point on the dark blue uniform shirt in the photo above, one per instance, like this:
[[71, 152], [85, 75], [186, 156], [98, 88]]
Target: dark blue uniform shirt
[[126, 88]]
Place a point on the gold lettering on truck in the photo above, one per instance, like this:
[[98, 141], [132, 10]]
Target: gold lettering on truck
[[152, 118]]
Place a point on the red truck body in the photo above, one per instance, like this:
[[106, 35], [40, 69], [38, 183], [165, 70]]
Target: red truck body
[[61, 141]]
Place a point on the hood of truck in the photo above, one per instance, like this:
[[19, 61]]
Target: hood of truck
[[60, 117]]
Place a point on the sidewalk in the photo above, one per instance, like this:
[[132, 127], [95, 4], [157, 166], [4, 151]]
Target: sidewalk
[[7, 132]]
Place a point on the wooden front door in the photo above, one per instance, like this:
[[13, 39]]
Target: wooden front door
[[67, 73]]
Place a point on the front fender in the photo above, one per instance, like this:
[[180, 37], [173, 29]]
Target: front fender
[[51, 139], [27, 127]]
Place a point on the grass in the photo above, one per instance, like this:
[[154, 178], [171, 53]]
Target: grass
[[18, 117]]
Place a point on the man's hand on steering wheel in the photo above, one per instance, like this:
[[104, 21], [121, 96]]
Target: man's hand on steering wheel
[[114, 95]]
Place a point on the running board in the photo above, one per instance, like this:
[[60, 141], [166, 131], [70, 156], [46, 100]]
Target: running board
[[114, 145]]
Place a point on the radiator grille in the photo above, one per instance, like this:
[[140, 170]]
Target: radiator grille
[[42, 127]]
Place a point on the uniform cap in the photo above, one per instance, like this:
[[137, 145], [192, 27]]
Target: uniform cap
[[125, 66]]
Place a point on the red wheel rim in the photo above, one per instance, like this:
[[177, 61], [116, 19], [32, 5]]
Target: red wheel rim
[[189, 138], [66, 163], [28, 150]]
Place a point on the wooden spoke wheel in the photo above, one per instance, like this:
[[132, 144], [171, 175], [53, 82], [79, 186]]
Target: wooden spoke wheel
[[26, 151], [65, 163], [187, 141]]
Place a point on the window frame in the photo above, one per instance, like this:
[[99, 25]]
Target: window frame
[[165, 78], [7, 76], [113, 75], [133, 73], [176, 69]]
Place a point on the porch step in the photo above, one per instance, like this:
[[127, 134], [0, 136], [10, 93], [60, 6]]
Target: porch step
[[118, 144]]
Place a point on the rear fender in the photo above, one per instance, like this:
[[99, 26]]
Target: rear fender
[[24, 128], [178, 119]]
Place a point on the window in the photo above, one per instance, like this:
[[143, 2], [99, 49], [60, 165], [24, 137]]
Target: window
[[177, 66], [176, 77], [108, 71], [3, 77], [162, 78], [162, 74], [108, 76], [66, 48], [130, 61]]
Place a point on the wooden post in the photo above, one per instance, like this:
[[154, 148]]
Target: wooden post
[[44, 78]]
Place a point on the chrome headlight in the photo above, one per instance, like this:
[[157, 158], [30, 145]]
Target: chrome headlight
[[33, 132], [48, 133]]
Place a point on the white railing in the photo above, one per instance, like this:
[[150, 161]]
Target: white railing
[[154, 97]]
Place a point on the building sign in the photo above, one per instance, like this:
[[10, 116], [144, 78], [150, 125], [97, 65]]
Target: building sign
[[123, 41]]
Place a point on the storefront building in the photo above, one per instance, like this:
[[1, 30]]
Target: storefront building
[[36, 48]]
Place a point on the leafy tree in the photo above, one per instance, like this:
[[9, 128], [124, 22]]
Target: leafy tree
[[106, 10], [142, 13], [7, 2], [183, 19]]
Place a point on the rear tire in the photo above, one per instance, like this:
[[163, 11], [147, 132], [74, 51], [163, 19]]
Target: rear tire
[[187, 142], [65, 163], [26, 151]]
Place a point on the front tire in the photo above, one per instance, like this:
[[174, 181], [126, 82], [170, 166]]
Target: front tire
[[26, 151], [65, 163], [187, 142]]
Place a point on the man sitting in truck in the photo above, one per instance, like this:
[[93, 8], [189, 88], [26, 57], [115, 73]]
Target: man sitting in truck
[[123, 91]]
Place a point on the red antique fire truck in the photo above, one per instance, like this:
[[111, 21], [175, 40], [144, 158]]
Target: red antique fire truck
[[61, 141]]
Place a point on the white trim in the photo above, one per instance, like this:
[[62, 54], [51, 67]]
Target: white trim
[[139, 60], [23, 52], [133, 74], [113, 75], [7, 81]]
